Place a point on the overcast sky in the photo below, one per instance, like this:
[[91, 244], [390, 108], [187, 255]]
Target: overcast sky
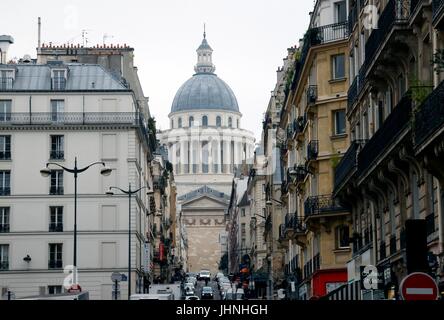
[[249, 39]]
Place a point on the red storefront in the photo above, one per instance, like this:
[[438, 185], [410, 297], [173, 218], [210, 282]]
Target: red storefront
[[323, 278]]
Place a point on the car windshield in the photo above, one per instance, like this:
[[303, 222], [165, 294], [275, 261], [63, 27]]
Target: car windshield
[[207, 289]]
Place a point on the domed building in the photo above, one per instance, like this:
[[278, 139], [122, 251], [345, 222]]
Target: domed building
[[207, 148]]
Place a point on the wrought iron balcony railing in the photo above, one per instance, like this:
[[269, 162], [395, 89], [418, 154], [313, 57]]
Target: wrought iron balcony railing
[[324, 204], [299, 125], [56, 190], [55, 264], [4, 228], [437, 10], [390, 130], [429, 117], [395, 12], [5, 155], [5, 191], [312, 94], [348, 164], [57, 155], [313, 150], [56, 227], [4, 265], [6, 83], [301, 173]]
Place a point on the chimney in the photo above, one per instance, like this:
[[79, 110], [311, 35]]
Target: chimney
[[5, 42]]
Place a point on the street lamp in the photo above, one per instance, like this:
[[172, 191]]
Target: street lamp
[[128, 192], [46, 172]]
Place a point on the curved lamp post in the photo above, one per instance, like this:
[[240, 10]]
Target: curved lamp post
[[128, 192], [46, 172]]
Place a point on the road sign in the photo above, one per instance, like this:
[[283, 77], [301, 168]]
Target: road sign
[[116, 276], [419, 286], [124, 277], [75, 288]]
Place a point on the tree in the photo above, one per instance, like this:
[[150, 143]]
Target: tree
[[223, 264]]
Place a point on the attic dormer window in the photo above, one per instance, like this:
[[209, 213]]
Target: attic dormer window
[[58, 79], [6, 79]]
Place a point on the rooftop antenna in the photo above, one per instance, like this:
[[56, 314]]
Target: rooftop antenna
[[205, 34], [85, 37], [39, 32]]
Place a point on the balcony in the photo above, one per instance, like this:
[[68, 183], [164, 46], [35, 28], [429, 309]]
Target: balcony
[[438, 13], [5, 191], [385, 137], [56, 190], [56, 227], [301, 174], [4, 228], [5, 155], [429, 119], [348, 164], [6, 83], [312, 266], [395, 14], [57, 155], [4, 265], [312, 150], [312, 94], [299, 125], [55, 264], [318, 36], [322, 205]]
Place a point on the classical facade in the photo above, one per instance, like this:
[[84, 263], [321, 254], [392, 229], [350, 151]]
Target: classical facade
[[207, 147]]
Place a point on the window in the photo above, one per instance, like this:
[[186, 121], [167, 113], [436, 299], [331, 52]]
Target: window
[[342, 237], [55, 256], [4, 219], [237, 123], [55, 289], [56, 182], [205, 121], [5, 183], [242, 212], [58, 79], [191, 122], [243, 230], [57, 147], [230, 122], [4, 256], [5, 147], [6, 79], [5, 110], [218, 121], [341, 11], [339, 122], [338, 66], [179, 124], [57, 110], [172, 124], [56, 219], [205, 156]]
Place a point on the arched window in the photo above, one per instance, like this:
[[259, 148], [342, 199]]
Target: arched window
[[218, 121], [205, 121], [190, 122], [237, 123], [230, 122], [172, 124], [179, 123]]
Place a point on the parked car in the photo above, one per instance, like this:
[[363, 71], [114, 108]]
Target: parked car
[[207, 293], [192, 280], [192, 298]]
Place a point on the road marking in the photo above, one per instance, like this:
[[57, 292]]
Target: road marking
[[420, 291]]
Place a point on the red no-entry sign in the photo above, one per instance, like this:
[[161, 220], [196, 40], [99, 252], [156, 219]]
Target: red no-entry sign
[[419, 286]]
